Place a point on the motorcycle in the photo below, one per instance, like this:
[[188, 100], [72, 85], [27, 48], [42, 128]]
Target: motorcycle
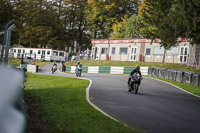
[[134, 83], [78, 71], [53, 69]]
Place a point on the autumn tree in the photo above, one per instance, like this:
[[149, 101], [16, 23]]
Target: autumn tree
[[104, 13]]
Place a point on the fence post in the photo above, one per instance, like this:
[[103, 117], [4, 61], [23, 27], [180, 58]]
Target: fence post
[[8, 42]]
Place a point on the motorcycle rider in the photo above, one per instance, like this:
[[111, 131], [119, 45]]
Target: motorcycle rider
[[78, 64], [54, 66], [137, 69]]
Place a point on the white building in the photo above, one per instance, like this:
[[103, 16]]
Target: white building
[[141, 49], [45, 54]]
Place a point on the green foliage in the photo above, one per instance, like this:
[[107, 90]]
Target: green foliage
[[187, 19], [133, 27], [103, 14], [6, 12], [169, 20], [157, 24]]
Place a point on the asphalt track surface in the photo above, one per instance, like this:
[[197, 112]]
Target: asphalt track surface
[[157, 108]]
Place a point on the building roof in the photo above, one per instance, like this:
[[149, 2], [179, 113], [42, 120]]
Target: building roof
[[135, 40], [40, 48]]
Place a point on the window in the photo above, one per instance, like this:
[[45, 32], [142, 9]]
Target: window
[[184, 51], [104, 50], [48, 52], [61, 54], [39, 51], [148, 51], [19, 51], [23, 51], [172, 51], [158, 51], [55, 53], [14, 50], [31, 51], [123, 51], [43, 52], [113, 50]]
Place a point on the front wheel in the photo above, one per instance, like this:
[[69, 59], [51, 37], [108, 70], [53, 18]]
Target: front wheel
[[136, 88], [79, 74]]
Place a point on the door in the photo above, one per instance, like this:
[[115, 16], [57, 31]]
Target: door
[[133, 55], [184, 51], [43, 55], [97, 51]]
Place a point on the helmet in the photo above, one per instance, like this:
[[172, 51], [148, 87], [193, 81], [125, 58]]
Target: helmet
[[138, 68], [78, 62]]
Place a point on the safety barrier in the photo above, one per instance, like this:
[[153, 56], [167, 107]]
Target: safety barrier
[[175, 75], [29, 68], [106, 69]]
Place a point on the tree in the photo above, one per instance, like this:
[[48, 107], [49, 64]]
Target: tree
[[119, 29], [133, 27], [6, 12], [103, 14], [186, 19], [38, 24]]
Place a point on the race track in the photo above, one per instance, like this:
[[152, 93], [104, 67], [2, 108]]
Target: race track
[[157, 108]]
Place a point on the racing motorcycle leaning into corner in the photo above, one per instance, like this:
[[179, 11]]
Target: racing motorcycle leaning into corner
[[54, 67], [134, 80]]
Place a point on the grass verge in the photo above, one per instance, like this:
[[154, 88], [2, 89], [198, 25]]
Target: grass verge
[[190, 88], [58, 105], [16, 62]]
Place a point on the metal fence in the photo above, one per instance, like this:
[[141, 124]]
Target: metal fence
[[12, 111]]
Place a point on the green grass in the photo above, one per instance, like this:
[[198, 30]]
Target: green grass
[[132, 63], [62, 103], [190, 88], [16, 62]]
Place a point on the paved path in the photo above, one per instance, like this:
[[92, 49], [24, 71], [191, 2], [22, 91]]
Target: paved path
[[157, 108]]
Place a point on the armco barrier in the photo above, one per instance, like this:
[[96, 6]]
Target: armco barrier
[[127, 70], [162, 72], [187, 77], [73, 69], [150, 71], [117, 70], [68, 69], [155, 72], [94, 69], [175, 75], [85, 70], [32, 68], [106, 69], [195, 79], [166, 75], [144, 70], [179, 76], [172, 74]]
